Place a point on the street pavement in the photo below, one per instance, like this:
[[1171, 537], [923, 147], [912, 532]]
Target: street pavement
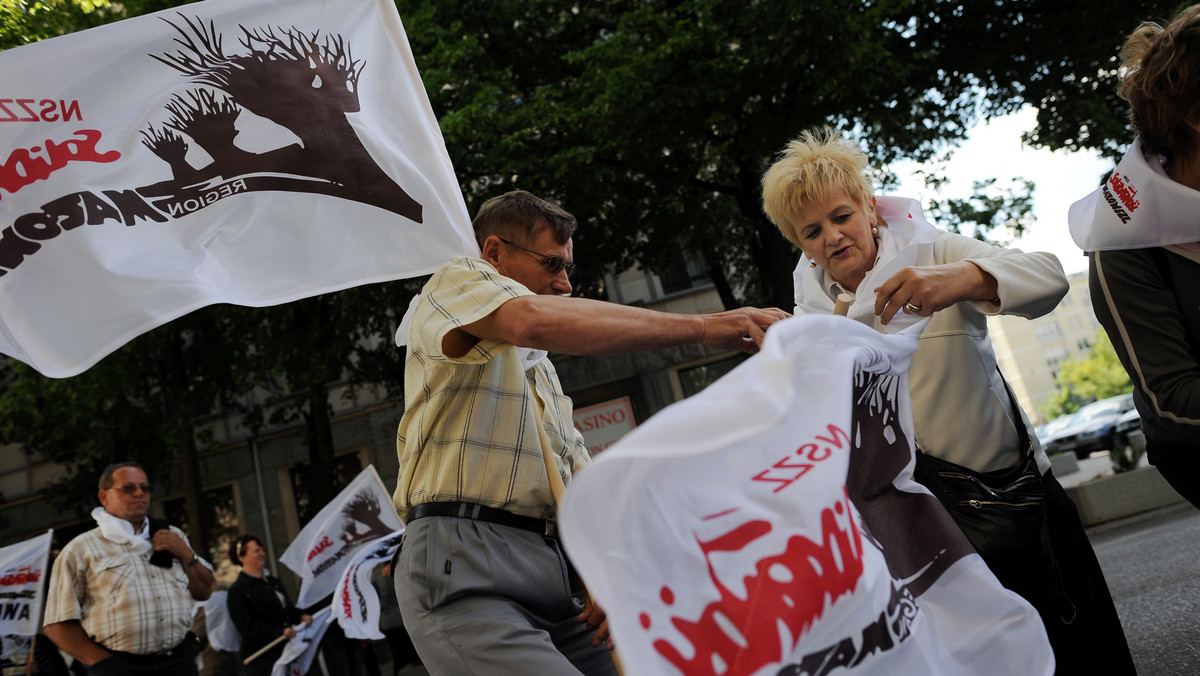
[[1152, 564]]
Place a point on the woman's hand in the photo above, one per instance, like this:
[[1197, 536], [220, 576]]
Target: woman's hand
[[925, 289], [289, 633], [307, 620]]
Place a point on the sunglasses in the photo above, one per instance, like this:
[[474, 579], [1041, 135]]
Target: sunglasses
[[555, 264], [130, 489]]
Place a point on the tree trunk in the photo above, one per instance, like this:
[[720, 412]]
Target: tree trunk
[[189, 463], [322, 469]]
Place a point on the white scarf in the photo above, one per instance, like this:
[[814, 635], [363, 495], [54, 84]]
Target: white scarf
[[1138, 207], [121, 531], [905, 239]]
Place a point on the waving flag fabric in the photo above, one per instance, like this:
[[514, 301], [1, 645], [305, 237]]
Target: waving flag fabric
[[23, 575], [770, 525], [356, 602], [300, 651], [242, 151], [360, 514]]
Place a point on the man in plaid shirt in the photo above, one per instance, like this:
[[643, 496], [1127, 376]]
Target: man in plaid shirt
[[122, 595], [482, 584]]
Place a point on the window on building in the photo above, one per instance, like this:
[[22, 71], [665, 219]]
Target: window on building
[[1075, 322], [696, 378], [1047, 331], [224, 526]]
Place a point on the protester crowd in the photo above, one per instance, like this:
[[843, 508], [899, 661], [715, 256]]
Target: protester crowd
[[486, 442]]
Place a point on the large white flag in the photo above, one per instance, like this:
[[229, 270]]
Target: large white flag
[[356, 603], [770, 525], [243, 151], [23, 572], [359, 515]]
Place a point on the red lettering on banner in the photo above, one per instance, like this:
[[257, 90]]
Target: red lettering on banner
[[735, 636], [808, 455], [1124, 191], [22, 577], [49, 110], [324, 544], [347, 609], [26, 105], [26, 166]]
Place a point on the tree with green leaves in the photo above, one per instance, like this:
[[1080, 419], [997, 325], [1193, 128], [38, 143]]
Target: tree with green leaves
[[141, 403], [653, 121], [1098, 375]]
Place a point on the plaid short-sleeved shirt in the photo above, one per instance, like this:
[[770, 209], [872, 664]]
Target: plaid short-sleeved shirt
[[123, 601], [467, 431]]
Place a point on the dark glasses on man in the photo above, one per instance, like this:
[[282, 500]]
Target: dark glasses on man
[[130, 489], [555, 264]]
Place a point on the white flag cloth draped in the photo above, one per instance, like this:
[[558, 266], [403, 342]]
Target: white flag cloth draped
[[1137, 207], [356, 602], [221, 633], [359, 515], [242, 151], [23, 572], [770, 525], [300, 651]]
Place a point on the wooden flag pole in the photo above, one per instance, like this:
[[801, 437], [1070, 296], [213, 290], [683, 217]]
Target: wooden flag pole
[[557, 488], [842, 306], [272, 644]]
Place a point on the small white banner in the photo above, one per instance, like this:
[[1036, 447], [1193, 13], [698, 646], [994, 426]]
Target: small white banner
[[23, 573], [300, 651], [359, 515], [356, 602]]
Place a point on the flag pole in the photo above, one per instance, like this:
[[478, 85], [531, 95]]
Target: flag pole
[[557, 488], [842, 307], [272, 644]]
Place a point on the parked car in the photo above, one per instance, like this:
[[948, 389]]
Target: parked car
[[1128, 430], [1050, 430], [1092, 428]]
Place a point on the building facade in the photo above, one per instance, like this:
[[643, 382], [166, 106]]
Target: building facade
[[1029, 351]]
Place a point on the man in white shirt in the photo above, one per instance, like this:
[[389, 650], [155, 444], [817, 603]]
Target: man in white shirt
[[121, 595]]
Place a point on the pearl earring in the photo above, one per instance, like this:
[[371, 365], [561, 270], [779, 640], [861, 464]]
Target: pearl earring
[[812, 263], [874, 230]]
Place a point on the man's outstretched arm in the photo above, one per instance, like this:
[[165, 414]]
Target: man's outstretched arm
[[584, 326]]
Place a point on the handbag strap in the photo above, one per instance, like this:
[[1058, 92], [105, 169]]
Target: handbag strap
[[1018, 421]]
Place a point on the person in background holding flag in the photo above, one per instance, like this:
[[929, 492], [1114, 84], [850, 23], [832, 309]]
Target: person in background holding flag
[[883, 253], [122, 594], [1143, 244], [259, 605], [482, 584]]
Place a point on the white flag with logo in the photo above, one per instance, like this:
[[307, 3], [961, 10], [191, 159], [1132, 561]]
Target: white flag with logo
[[300, 650], [356, 603], [770, 525], [252, 152], [360, 514], [23, 571]]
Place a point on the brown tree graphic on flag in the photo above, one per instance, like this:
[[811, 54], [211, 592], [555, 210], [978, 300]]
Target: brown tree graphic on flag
[[305, 82], [918, 538]]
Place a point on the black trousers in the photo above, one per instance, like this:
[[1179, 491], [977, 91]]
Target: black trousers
[[1180, 466], [1092, 642]]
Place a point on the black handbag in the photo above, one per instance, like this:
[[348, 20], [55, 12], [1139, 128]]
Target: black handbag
[[1004, 515]]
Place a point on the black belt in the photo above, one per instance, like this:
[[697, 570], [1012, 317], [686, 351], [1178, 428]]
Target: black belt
[[186, 647], [470, 510]]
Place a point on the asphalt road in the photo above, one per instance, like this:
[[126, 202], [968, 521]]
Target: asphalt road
[[1152, 564]]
